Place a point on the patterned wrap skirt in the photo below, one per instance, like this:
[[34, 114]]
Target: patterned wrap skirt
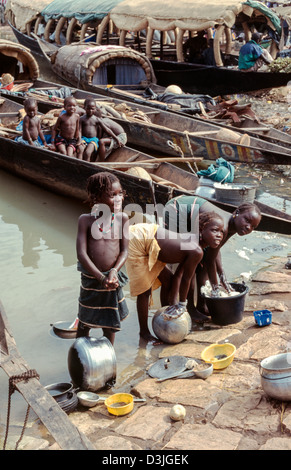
[[99, 307]]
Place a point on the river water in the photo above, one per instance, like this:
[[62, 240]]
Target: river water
[[39, 282]]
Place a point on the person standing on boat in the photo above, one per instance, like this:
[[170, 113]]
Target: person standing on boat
[[151, 247], [252, 56], [102, 248], [181, 215]]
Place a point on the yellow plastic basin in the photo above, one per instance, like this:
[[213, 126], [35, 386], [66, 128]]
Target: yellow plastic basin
[[119, 404], [214, 351]]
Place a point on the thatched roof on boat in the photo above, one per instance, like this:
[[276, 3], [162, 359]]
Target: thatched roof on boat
[[83, 11], [21, 54], [79, 62], [135, 15], [21, 12]]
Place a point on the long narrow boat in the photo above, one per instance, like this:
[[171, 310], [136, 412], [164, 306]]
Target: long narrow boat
[[172, 135], [171, 65], [217, 20], [68, 176], [49, 95]]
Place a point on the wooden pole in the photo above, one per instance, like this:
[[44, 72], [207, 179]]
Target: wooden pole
[[44, 405]]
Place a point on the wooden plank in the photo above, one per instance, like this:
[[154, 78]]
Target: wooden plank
[[44, 405], [12, 131], [4, 115]]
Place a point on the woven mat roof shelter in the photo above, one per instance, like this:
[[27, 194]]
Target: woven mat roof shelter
[[77, 62], [185, 15], [197, 15], [21, 12], [22, 54]]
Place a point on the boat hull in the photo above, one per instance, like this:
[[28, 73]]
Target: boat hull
[[214, 81]]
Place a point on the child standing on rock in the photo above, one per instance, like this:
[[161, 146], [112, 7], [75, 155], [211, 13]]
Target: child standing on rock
[[102, 248]]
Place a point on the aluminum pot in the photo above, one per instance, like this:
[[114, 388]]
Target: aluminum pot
[[276, 376], [171, 331], [92, 363]]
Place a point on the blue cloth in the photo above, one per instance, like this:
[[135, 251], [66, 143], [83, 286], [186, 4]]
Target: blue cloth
[[249, 54], [93, 140], [222, 172]]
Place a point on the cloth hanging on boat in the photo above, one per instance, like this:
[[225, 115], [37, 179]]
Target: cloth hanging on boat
[[221, 172]]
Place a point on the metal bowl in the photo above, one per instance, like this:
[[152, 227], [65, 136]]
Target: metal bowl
[[276, 376], [204, 373], [88, 399], [62, 330]]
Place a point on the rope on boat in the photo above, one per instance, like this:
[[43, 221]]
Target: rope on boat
[[179, 150], [13, 380]]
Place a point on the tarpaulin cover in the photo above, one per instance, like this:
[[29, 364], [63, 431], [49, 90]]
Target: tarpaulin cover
[[83, 11], [275, 20]]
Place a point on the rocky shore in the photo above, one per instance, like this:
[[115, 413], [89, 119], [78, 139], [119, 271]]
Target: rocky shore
[[227, 411]]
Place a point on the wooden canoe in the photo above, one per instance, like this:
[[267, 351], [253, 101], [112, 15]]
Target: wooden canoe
[[68, 176], [167, 134], [46, 102], [137, 93], [215, 81]]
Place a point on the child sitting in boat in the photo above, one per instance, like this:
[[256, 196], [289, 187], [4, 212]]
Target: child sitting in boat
[[65, 133], [93, 126], [31, 127], [102, 244], [113, 136], [151, 247]]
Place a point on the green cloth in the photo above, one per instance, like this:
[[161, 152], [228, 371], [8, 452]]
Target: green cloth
[[221, 172], [267, 12], [83, 11]]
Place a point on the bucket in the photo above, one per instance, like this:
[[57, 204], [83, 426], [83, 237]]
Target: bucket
[[263, 317], [227, 310], [235, 193], [276, 376], [92, 363]]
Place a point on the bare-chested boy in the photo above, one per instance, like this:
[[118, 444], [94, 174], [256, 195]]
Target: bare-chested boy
[[93, 127], [31, 125], [65, 133], [112, 137]]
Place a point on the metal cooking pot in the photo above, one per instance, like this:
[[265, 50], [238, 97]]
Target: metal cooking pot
[[64, 395], [92, 363], [171, 331], [276, 376]]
